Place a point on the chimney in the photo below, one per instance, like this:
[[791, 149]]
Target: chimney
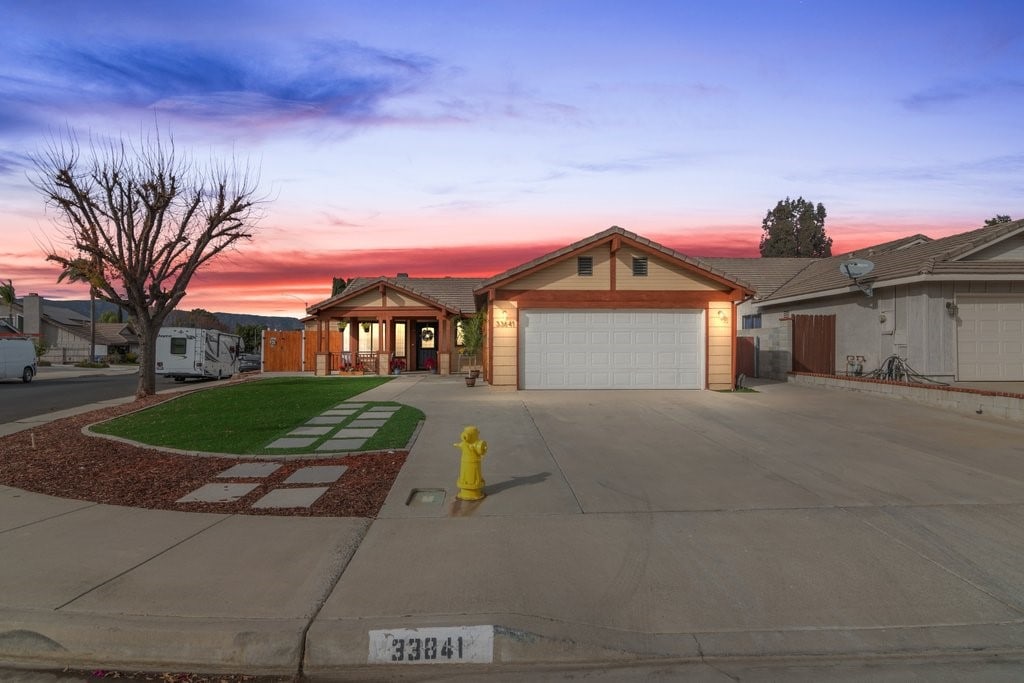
[[32, 313], [405, 275]]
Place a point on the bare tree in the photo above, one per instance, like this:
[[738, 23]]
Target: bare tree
[[144, 218]]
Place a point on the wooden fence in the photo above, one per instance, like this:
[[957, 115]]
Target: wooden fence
[[814, 344]]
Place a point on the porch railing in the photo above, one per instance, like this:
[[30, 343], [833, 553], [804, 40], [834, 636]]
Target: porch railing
[[343, 361]]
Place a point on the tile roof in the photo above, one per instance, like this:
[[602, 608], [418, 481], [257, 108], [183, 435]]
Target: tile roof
[[910, 257], [116, 334], [703, 264], [454, 293], [764, 275]]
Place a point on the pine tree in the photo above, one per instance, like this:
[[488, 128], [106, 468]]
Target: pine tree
[[795, 228]]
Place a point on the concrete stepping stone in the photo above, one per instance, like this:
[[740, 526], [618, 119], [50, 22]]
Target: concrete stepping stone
[[218, 493], [350, 405], [309, 431], [342, 445], [340, 412], [250, 470], [326, 420], [292, 442], [382, 409], [291, 498], [365, 422], [351, 433], [320, 474]]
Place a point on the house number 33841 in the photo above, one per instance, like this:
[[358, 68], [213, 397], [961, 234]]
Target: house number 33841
[[504, 323]]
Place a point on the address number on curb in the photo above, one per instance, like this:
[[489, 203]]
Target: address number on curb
[[442, 645]]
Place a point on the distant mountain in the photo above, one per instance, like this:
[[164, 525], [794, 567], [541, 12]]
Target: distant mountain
[[229, 319]]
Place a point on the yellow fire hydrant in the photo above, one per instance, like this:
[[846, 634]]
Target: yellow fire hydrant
[[471, 476]]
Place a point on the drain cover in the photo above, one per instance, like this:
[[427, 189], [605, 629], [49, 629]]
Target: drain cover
[[425, 497]]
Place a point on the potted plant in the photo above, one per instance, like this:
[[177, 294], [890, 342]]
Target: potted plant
[[470, 381], [342, 325], [473, 336], [366, 327], [397, 365], [430, 364]]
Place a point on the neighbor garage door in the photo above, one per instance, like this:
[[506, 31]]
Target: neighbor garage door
[[635, 349], [990, 339]]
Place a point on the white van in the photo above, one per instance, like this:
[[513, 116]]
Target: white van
[[17, 358]]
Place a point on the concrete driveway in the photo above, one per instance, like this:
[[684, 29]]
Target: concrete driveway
[[618, 526], [790, 521]]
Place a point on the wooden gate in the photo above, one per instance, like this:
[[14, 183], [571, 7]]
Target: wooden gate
[[814, 344], [746, 356], [282, 350]]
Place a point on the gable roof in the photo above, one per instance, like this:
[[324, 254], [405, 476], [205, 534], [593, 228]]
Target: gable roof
[[607, 235], [452, 293], [912, 258]]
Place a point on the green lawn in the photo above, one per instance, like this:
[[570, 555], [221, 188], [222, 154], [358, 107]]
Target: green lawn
[[244, 418]]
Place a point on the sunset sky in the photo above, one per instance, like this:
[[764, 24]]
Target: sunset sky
[[463, 138]]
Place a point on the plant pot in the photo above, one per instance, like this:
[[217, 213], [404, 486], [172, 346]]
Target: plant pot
[[470, 381], [474, 373]]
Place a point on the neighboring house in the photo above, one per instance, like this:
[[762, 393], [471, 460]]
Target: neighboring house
[[614, 310], [951, 308], [66, 333]]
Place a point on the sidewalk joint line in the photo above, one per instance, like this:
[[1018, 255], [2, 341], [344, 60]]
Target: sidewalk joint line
[[145, 561], [552, 456]]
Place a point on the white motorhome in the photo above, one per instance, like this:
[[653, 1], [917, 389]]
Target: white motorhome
[[186, 352], [17, 355]]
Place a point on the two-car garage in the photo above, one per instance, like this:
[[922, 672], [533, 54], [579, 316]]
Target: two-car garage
[[611, 349]]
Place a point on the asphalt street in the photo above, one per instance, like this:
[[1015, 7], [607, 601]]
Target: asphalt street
[[56, 389]]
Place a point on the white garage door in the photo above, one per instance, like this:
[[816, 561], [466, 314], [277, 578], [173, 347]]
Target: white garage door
[[990, 339], [611, 349]]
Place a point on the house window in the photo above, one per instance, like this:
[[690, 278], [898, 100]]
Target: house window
[[752, 322], [639, 266], [585, 266], [400, 340], [179, 346]]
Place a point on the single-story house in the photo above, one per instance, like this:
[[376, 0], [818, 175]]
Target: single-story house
[[952, 308], [66, 333], [614, 310]]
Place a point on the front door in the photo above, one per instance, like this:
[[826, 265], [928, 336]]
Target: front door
[[426, 346]]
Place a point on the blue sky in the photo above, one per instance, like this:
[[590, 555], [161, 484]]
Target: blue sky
[[466, 137]]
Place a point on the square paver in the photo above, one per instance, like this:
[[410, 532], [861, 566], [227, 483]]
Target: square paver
[[292, 442], [349, 405], [325, 474], [365, 422], [250, 470], [291, 498], [326, 420], [340, 412], [218, 493], [351, 433], [309, 431], [342, 445], [382, 409]]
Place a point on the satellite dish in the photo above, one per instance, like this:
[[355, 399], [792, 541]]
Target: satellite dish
[[856, 268]]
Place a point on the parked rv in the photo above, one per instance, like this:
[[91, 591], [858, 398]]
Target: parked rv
[[17, 358], [193, 352]]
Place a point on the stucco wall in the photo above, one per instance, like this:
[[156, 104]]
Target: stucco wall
[[910, 321]]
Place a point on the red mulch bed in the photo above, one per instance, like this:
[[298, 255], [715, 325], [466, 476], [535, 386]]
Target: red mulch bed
[[57, 459]]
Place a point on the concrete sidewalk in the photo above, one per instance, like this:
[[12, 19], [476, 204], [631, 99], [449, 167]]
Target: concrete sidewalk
[[619, 526]]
